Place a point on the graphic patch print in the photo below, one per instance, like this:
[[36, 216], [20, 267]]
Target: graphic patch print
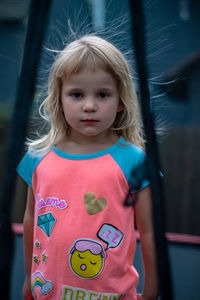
[[46, 223], [94, 205], [87, 258], [110, 235], [38, 281], [50, 202], [71, 293]]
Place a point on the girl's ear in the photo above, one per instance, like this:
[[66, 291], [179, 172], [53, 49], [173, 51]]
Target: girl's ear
[[120, 106]]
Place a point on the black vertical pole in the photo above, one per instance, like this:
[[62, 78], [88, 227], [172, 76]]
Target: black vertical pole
[[35, 34], [153, 165]]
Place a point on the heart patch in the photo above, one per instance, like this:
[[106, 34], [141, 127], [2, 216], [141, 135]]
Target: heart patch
[[94, 205]]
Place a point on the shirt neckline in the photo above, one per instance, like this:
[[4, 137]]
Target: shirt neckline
[[87, 156]]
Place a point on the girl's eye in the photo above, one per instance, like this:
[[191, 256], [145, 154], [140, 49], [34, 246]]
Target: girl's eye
[[103, 95], [77, 95]]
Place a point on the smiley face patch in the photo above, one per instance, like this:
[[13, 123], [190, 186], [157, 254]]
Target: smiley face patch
[[87, 258]]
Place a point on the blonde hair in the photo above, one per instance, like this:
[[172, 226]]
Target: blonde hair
[[92, 53]]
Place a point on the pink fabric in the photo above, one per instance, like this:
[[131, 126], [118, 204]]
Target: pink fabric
[[77, 255]]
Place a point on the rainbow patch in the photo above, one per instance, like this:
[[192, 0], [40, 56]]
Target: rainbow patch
[[38, 280]]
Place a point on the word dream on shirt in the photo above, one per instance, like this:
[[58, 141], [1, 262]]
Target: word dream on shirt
[[70, 293], [50, 202]]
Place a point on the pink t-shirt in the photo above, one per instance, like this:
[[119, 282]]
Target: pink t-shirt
[[84, 240]]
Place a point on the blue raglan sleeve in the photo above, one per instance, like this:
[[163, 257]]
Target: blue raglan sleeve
[[132, 161], [25, 170], [27, 166], [137, 176]]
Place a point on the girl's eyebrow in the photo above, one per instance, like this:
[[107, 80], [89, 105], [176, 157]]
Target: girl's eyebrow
[[72, 89], [105, 88]]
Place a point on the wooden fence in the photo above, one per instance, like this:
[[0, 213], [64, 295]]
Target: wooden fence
[[180, 160]]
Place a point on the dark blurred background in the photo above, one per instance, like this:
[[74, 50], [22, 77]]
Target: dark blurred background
[[173, 31]]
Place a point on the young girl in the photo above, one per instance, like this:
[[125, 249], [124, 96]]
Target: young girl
[[78, 234]]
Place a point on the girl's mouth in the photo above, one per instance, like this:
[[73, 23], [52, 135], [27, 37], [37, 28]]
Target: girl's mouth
[[90, 121]]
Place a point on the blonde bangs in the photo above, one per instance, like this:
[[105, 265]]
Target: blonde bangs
[[80, 57]]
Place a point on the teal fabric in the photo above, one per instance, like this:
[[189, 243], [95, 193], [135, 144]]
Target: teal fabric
[[27, 166], [129, 157]]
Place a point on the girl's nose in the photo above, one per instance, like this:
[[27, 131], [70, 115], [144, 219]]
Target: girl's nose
[[89, 105]]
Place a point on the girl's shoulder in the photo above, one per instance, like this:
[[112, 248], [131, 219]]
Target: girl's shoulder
[[129, 150], [132, 161], [28, 164]]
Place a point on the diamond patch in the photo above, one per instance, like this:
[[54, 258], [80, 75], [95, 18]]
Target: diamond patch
[[46, 222]]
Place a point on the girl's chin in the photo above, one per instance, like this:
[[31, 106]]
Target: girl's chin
[[92, 133]]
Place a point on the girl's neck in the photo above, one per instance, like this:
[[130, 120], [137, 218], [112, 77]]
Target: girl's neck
[[74, 144]]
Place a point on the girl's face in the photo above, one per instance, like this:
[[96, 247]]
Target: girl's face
[[90, 102]]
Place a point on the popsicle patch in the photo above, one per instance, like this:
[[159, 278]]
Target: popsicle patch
[[94, 205]]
